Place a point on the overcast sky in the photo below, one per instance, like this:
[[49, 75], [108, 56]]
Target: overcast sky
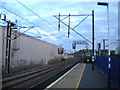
[[47, 25]]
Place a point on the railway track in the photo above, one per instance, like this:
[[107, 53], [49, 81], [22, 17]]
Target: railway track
[[39, 78]]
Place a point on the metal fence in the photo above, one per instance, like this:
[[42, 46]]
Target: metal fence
[[102, 63]]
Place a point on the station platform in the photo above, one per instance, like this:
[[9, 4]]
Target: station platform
[[81, 76]]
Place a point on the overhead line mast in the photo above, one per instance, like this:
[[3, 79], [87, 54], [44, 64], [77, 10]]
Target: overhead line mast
[[73, 29]]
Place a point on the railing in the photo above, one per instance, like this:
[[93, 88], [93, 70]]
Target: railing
[[102, 63]]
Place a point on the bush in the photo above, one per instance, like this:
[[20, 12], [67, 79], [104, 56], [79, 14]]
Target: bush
[[63, 59], [56, 60]]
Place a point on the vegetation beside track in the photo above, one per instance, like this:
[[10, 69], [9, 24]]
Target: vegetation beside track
[[56, 60], [32, 65]]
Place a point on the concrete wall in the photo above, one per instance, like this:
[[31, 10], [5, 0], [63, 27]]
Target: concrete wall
[[2, 46], [31, 50], [26, 50]]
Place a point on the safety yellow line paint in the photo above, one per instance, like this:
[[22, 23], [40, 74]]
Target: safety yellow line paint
[[80, 76]]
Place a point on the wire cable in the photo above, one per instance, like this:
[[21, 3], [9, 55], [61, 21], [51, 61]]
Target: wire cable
[[26, 20], [32, 23], [81, 21], [34, 13], [74, 31], [38, 16]]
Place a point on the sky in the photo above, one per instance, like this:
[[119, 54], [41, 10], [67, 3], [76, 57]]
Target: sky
[[40, 15]]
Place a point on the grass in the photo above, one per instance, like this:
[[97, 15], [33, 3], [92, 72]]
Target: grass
[[18, 69], [26, 67], [56, 60]]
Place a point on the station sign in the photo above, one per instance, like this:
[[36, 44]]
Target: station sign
[[60, 50]]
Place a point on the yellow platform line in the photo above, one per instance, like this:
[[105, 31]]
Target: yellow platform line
[[80, 76]]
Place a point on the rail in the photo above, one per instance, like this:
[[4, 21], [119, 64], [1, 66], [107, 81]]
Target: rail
[[53, 70]]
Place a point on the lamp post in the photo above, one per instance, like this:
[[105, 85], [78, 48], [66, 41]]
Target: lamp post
[[109, 60]]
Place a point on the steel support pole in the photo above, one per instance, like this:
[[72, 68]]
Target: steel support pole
[[9, 51], [69, 26], [103, 44], [6, 55], [109, 59], [59, 23], [92, 40]]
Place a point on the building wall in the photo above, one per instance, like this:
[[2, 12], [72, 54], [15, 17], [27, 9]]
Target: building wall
[[26, 50], [2, 46], [31, 50]]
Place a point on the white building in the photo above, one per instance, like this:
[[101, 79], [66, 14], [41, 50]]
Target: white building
[[26, 49]]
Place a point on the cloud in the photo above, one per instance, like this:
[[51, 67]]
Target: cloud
[[103, 30], [32, 18], [24, 13], [72, 20], [41, 31], [47, 9], [45, 35], [63, 0], [100, 19], [50, 37]]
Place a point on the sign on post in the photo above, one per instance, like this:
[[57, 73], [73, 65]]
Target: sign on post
[[60, 50]]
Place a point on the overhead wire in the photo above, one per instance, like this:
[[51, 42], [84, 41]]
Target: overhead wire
[[38, 16], [81, 21], [26, 20], [74, 31], [20, 17], [45, 20], [23, 32], [31, 23]]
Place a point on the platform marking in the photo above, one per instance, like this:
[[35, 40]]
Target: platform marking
[[80, 76], [61, 77]]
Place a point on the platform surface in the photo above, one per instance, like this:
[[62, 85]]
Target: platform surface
[[81, 76], [93, 79], [72, 78]]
